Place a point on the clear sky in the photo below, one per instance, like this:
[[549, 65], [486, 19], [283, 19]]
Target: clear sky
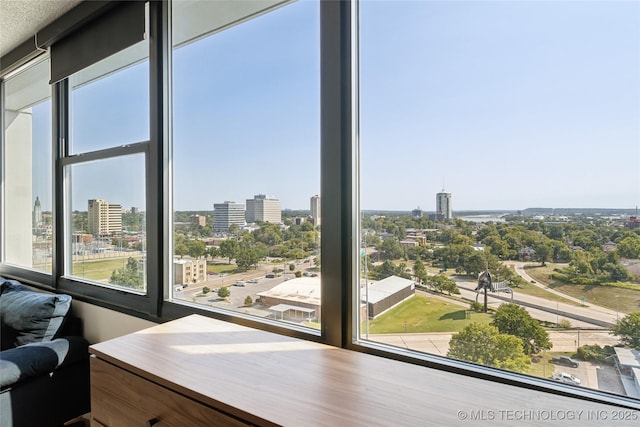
[[507, 104]]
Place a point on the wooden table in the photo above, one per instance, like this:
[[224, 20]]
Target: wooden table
[[199, 371]]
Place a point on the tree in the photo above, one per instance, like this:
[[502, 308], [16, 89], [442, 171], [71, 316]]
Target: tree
[[391, 248], [248, 301], [196, 248], [628, 329], [228, 249], [129, 276], [514, 320], [629, 247], [206, 290], [442, 284], [419, 271], [224, 292], [543, 253], [484, 344], [292, 267]]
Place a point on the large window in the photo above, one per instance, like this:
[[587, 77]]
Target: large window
[[105, 171], [460, 150], [500, 181], [246, 158], [26, 163]]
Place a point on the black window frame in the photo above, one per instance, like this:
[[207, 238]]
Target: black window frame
[[340, 209]]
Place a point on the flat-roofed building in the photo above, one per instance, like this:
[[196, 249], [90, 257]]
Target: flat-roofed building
[[315, 209], [264, 209], [386, 294], [227, 213], [189, 271], [104, 218], [295, 299]]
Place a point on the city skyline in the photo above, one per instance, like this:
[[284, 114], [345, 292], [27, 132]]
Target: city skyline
[[533, 119]]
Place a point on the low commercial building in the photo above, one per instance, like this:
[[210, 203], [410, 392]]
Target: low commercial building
[[381, 296], [295, 299]]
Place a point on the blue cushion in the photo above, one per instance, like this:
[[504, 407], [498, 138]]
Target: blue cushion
[[27, 316]]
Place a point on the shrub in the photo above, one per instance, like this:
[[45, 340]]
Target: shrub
[[595, 353], [564, 324], [477, 306]]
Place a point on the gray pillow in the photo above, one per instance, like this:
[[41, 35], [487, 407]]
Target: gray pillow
[[27, 316]]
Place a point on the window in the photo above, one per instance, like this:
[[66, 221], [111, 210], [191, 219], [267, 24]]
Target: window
[[421, 144], [26, 162], [246, 159], [501, 137], [105, 171]]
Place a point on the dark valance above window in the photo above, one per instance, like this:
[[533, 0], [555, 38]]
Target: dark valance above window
[[97, 39]]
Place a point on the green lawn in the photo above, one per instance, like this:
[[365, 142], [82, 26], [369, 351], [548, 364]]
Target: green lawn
[[425, 314], [540, 366], [221, 268], [99, 270], [620, 299]]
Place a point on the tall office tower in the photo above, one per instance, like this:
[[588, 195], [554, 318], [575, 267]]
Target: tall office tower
[[37, 213], [227, 213], [264, 208], [443, 205], [105, 218], [315, 209], [416, 213]]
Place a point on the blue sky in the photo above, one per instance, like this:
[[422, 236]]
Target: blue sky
[[512, 104]]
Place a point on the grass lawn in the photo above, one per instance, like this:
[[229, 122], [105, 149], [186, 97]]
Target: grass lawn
[[533, 290], [425, 314], [540, 366], [99, 270], [620, 299], [221, 268]]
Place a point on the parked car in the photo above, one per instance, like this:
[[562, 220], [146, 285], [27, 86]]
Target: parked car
[[270, 276], [239, 283], [565, 361], [565, 378], [252, 281]]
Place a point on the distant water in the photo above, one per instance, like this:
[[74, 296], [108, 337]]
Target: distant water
[[483, 218]]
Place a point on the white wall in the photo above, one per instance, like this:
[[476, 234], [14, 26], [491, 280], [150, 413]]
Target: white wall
[[101, 324]]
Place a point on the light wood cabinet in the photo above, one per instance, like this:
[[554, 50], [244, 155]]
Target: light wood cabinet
[[198, 371]]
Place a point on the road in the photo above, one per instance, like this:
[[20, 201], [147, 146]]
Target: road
[[438, 342]]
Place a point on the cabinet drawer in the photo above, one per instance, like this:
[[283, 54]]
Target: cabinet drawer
[[120, 398]]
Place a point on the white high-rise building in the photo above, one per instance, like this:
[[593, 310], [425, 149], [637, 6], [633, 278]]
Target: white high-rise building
[[443, 205], [227, 213], [315, 209], [104, 218], [264, 208], [37, 213]]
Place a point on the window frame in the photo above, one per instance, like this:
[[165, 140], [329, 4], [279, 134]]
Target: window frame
[[340, 207]]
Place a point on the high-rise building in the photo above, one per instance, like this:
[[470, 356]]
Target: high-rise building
[[416, 213], [443, 205], [315, 209], [227, 213], [104, 218], [37, 213], [264, 208]]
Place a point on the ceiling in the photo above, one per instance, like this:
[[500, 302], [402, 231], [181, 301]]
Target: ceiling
[[21, 19]]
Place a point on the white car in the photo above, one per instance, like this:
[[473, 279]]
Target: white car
[[565, 378]]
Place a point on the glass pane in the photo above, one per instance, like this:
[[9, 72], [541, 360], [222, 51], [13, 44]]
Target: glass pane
[[246, 158], [110, 101], [499, 156], [27, 169], [107, 220]]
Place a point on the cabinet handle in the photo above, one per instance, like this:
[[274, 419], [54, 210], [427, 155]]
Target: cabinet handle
[[152, 422]]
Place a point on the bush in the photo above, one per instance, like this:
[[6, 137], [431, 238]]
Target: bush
[[477, 306], [564, 324], [595, 353], [248, 300], [206, 290]]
